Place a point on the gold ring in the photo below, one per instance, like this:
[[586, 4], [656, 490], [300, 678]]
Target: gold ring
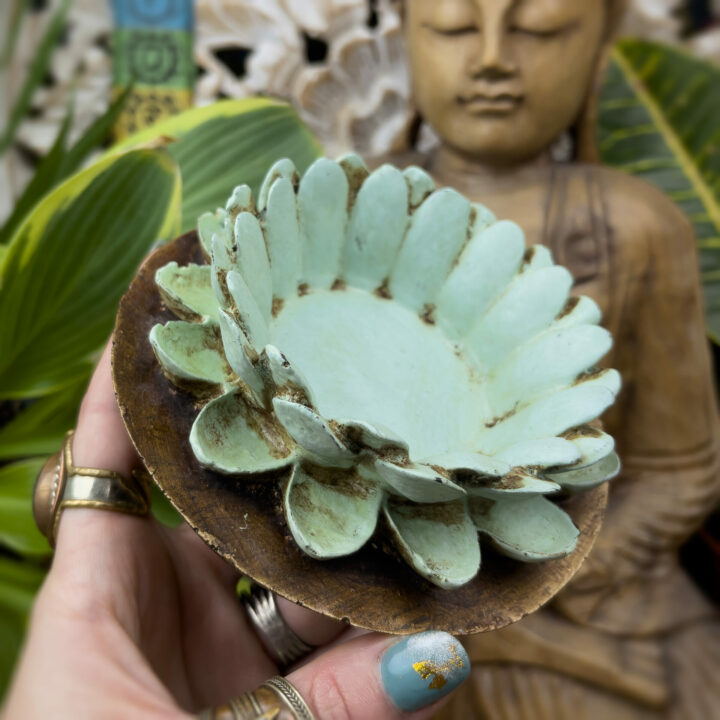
[[60, 485], [275, 699]]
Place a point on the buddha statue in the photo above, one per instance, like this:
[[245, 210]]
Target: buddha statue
[[504, 83]]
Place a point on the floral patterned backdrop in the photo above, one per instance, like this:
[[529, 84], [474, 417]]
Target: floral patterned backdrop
[[340, 62]]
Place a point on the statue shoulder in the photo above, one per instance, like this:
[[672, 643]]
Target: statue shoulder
[[641, 213]]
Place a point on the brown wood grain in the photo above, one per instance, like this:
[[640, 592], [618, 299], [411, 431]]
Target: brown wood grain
[[244, 522]]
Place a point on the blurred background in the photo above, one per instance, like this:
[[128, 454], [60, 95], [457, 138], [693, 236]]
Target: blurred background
[[77, 75], [339, 62]]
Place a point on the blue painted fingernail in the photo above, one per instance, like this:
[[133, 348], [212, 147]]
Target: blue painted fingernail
[[422, 668]]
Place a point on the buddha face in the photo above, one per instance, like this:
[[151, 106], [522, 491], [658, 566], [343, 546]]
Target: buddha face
[[500, 80]]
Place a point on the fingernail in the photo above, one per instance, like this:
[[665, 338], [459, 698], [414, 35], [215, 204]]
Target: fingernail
[[422, 668]]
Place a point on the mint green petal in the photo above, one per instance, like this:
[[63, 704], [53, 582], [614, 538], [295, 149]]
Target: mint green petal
[[241, 200], [211, 224], [419, 483], [322, 205], [290, 383], [540, 452], [484, 268], [593, 445], [190, 352], [589, 476], [252, 261], [232, 437], [372, 435], [222, 262], [238, 350], [517, 483], [437, 233], [330, 512], [283, 169], [420, 185], [527, 307], [250, 317], [466, 462], [439, 540], [548, 362], [551, 415], [578, 310], [537, 257], [528, 529], [282, 233], [311, 432], [376, 229], [187, 291]]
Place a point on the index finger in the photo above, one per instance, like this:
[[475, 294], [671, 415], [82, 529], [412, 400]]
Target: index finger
[[101, 439]]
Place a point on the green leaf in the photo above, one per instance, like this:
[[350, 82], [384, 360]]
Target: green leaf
[[19, 582], [659, 119], [227, 144], [69, 263], [13, 30], [18, 531], [45, 177], [162, 510], [41, 427], [94, 135], [36, 74], [60, 163]]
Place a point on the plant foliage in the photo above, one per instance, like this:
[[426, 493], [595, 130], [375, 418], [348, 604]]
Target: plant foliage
[[67, 253], [659, 119], [70, 261], [230, 143]]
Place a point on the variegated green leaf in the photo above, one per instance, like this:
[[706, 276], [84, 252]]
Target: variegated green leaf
[[69, 263], [18, 584], [229, 143], [17, 525], [659, 119], [39, 428]]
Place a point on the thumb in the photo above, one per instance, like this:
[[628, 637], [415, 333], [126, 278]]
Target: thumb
[[384, 678]]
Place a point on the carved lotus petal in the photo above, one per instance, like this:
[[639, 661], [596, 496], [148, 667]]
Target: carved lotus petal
[[402, 352], [331, 512], [528, 529]]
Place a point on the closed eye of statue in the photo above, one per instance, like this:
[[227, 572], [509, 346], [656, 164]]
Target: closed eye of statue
[[542, 33], [458, 31]]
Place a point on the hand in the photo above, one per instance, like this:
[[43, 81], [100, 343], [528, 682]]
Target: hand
[[136, 620]]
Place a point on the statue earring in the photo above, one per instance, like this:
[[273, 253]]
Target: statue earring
[[563, 149]]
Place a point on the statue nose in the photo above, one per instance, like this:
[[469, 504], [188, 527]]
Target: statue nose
[[492, 61]]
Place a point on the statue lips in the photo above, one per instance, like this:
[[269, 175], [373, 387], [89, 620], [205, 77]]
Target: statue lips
[[490, 103]]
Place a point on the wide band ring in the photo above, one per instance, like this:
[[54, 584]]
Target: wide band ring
[[60, 484], [276, 698], [284, 646]]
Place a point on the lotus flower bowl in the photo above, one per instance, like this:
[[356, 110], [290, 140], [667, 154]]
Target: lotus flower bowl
[[390, 352]]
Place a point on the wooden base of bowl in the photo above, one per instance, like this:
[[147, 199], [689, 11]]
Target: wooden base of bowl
[[244, 522]]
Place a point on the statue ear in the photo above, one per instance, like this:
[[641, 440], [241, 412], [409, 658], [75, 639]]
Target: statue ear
[[615, 10], [584, 129]]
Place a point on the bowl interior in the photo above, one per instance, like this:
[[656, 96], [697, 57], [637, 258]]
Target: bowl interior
[[370, 367], [383, 364]]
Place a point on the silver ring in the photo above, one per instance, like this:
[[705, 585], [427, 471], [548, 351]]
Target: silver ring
[[284, 646]]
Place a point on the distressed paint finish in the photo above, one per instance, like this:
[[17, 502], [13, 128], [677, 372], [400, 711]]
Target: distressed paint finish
[[360, 383], [242, 521]]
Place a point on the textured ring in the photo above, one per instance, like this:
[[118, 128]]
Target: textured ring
[[60, 484], [284, 646], [275, 699]]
